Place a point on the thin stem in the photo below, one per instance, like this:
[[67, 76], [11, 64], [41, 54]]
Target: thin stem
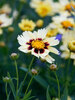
[[17, 76], [6, 89], [28, 70], [26, 74], [29, 84], [58, 85]]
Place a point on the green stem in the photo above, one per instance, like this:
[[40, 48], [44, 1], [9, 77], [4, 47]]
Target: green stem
[[6, 89], [26, 74], [28, 69], [17, 76], [29, 84], [58, 85]]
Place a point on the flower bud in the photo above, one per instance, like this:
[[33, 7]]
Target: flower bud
[[34, 71], [14, 56], [53, 67], [6, 79], [39, 23], [2, 44], [11, 29]]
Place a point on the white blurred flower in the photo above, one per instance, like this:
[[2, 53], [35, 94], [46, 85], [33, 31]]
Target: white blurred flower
[[38, 44], [5, 9], [62, 24], [65, 5], [5, 20], [68, 46], [44, 8], [15, 14]]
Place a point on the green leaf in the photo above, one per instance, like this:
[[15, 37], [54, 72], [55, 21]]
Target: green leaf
[[11, 84], [8, 96], [26, 96], [47, 94], [65, 95]]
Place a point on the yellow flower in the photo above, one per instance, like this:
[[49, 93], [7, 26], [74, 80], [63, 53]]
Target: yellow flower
[[39, 23], [43, 9], [27, 25], [52, 32], [71, 45]]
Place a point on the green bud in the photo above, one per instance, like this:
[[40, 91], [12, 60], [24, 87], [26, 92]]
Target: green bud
[[14, 56], [6, 79]]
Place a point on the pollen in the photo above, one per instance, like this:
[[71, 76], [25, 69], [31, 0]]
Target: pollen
[[71, 45], [38, 44], [67, 24], [69, 6]]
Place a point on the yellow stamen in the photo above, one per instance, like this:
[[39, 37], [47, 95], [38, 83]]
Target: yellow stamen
[[38, 44], [69, 6], [67, 24]]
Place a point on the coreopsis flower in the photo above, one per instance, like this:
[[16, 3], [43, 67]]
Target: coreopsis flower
[[27, 25], [65, 5], [68, 46], [51, 32], [5, 9], [62, 24], [44, 7], [5, 20], [38, 44]]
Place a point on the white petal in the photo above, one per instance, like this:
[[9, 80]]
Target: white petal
[[52, 41], [24, 49], [53, 50], [41, 33], [49, 59]]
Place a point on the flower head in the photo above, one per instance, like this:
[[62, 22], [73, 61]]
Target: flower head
[[68, 46], [38, 44], [5, 20], [5, 9], [62, 23], [44, 7], [27, 25]]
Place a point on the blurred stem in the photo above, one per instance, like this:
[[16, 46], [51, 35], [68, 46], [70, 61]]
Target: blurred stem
[[28, 69], [6, 89], [67, 74], [58, 84], [29, 84], [17, 76], [26, 74]]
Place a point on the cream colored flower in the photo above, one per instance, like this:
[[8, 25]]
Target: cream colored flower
[[65, 5], [38, 44], [68, 46], [62, 24], [5, 9], [44, 8], [5, 20], [27, 25]]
